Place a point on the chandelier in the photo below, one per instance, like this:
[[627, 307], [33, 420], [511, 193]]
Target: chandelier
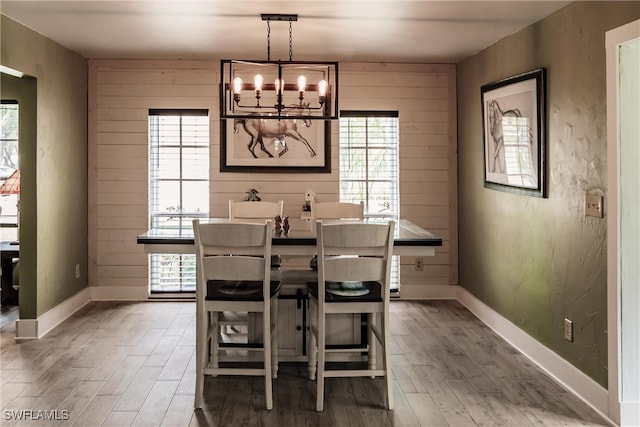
[[279, 89]]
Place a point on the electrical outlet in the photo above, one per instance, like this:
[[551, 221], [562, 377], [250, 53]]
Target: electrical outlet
[[419, 264], [77, 271], [568, 330]]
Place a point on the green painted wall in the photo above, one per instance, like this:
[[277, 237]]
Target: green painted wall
[[54, 224], [536, 261], [24, 90]]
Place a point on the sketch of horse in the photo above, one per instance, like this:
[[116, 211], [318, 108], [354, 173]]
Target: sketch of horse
[[258, 129], [495, 115]]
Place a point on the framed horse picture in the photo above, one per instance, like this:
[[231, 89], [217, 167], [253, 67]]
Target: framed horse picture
[[513, 111], [272, 145]]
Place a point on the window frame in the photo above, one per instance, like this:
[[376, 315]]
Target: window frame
[[183, 263], [395, 215], [359, 114]]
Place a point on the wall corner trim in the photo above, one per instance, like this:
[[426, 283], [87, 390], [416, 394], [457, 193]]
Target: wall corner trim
[[29, 329], [571, 378]]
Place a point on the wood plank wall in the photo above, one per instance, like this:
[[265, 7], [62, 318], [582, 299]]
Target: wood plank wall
[[122, 91]]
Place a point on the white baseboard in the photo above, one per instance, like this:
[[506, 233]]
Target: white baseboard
[[29, 329], [571, 378], [26, 329], [119, 293], [422, 292]]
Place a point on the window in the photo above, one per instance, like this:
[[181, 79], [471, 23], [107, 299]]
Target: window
[[178, 189], [8, 165], [369, 166]]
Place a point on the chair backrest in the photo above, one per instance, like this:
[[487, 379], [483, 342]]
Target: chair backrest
[[355, 252], [254, 210], [338, 210], [232, 252]]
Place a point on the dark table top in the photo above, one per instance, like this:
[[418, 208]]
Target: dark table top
[[9, 249], [406, 234]]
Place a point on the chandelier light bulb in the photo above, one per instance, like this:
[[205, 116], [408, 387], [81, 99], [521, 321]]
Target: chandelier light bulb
[[322, 88], [257, 81], [237, 89], [279, 83], [237, 86], [302, 83]]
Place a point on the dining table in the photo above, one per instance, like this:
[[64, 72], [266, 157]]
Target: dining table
[[409, 240]]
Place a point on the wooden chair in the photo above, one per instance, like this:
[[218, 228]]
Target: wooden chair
[[240, 211], [251, 211], [255, 210], [354, 268], [337, 210], [233, 274]]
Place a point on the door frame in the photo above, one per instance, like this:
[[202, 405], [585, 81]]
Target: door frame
[[623, 409]]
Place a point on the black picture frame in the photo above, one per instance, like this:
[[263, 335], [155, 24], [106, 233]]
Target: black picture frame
[[308, 146], [514, 134]]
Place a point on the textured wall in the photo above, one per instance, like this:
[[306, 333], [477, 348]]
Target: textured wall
[[537, 261], [56, 169]]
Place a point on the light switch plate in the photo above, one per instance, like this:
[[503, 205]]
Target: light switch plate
[[593, 204]]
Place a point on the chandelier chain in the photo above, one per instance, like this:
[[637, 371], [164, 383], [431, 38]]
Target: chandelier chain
[[268, 40], [290, 42]]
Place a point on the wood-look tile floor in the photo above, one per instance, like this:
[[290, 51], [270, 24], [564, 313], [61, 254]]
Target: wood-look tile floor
[[132, 364]]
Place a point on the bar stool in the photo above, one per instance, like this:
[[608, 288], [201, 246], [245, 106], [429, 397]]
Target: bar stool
[[354, 269], [234, 275]]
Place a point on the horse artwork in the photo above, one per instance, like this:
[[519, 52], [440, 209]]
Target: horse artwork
[[258, 129], [514, 137], [275, 129], [295, 143]]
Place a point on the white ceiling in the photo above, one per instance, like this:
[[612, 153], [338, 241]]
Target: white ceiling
[[333, 30]]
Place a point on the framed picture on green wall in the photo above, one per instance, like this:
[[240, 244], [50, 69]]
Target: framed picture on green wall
[[513, 111]]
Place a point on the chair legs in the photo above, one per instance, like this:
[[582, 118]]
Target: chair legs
[[266, 332], [208, 332], [274, 338], [312, 345], [371, 337], [321, 364], [213, 336], [202, 358], [317, 354], [386, 356]]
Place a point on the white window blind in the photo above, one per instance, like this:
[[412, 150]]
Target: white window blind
[[369, 166], [178, 189]]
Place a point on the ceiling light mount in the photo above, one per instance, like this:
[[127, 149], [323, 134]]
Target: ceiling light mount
[[279, 17], [279, 100]]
